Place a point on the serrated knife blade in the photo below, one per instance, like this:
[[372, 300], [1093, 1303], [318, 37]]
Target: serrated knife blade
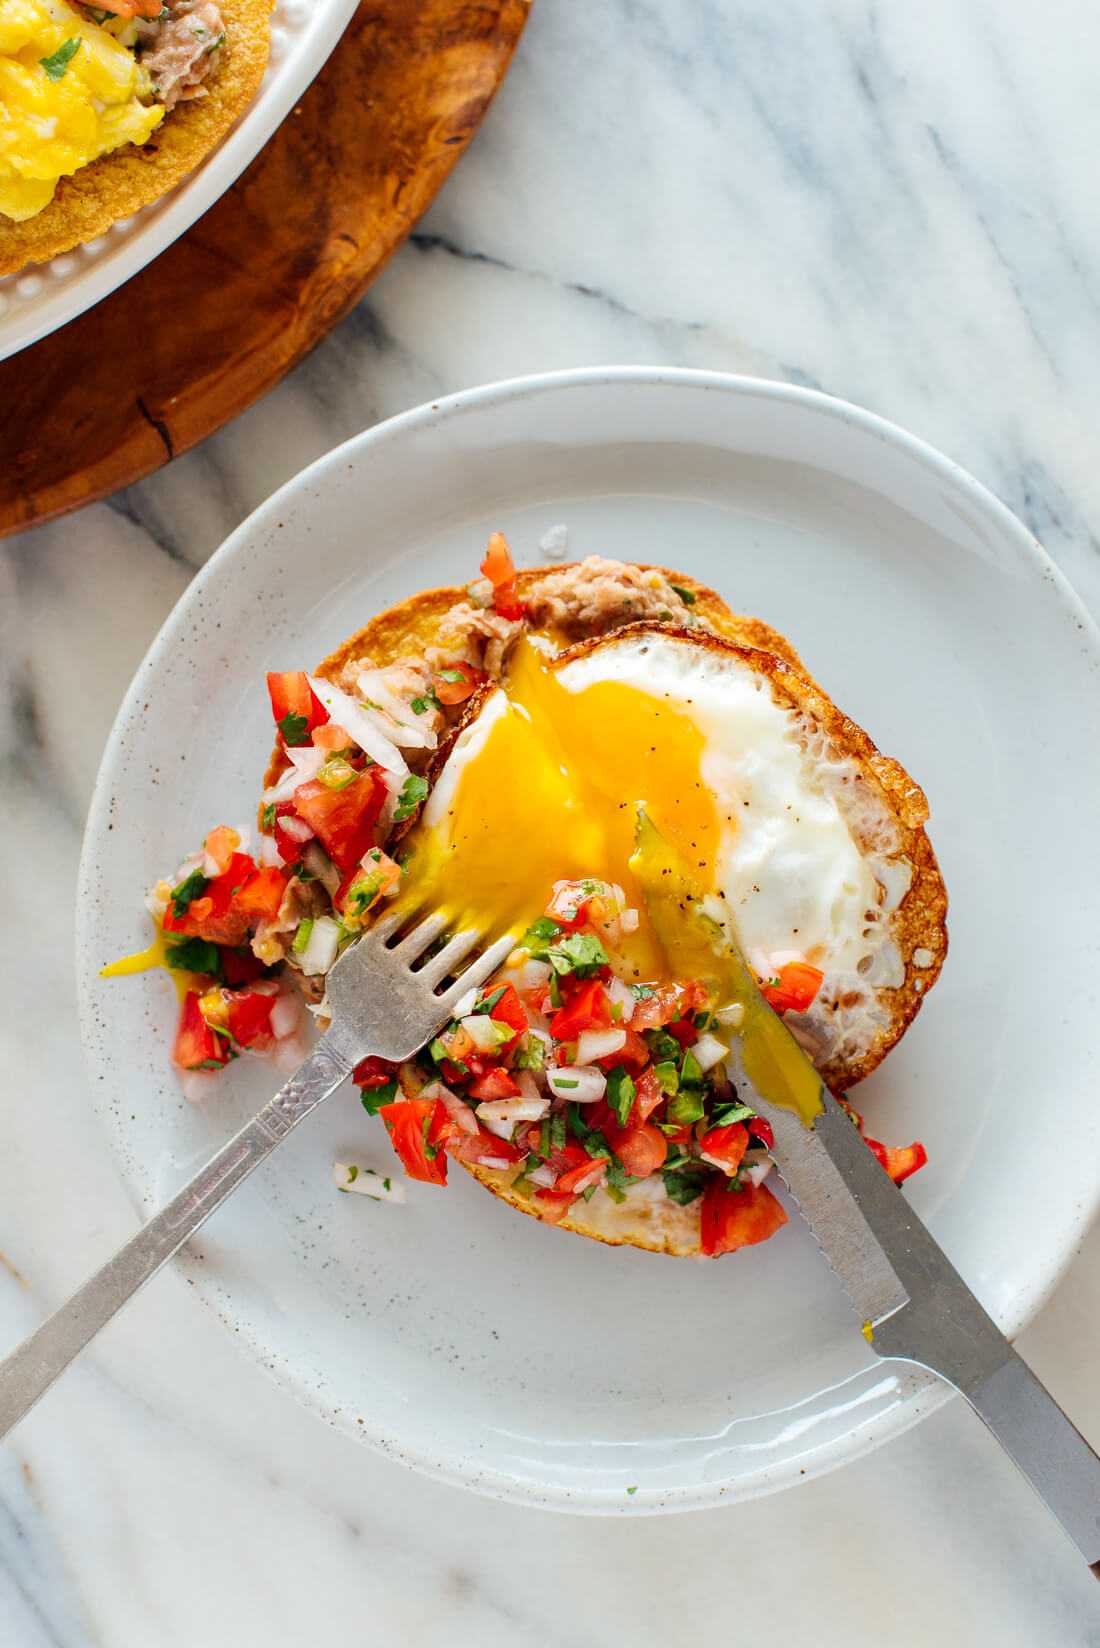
[[914, 1306], [910, 1300]]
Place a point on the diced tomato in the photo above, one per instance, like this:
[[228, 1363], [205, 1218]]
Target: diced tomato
[[588, 1008], [683, 1030], [457, 692], [362, 887], [899, 1163], [642, 1150], [373, 1072], [131, 8], [797, 987], [240, 969], [219, 847], [762, 1130], [737, 1218], [290, 843], [232, 904], [197, 1047], [571, 906], [292, 695], [496, 1083], [552, 1205], [408, 1121], [249, 1015], [668, 1001], [680, 1133], [343, 820], [576, 1179], [726, 1145], [330, 737], [634, 1053], [648, 1096], [481, 1148], [501, 573], [509, 1011]]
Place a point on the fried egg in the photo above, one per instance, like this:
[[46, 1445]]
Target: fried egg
[[69, 92], [781, 829]]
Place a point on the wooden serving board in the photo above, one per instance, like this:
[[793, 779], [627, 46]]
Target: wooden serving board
[[229, 308]]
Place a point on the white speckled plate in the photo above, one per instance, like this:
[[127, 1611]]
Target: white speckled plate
[[451, 1332], [44, 296]]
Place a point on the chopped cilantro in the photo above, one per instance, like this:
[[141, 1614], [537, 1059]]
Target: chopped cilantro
[[557, 1132], [555, 990], [375, 1097], [413, 792], [404, 859], [489, 1002], [727, 1114], [663, 1046], [544, 1138], [579, 953], [428, 702], [687, 596], [590, 1137], [633, 1490], [539, 936], [194, 955], [533, 1056], [642, 992], [620, 1093], [353, 1174], [182, 896], [293, 728], [684, 1184], [456, 677], [57, 65], [267, 823]]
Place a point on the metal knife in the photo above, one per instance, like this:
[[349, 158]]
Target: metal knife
[[910, 1300]]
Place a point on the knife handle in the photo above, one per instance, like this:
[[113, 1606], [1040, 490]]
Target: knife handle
[[1047, 1447]]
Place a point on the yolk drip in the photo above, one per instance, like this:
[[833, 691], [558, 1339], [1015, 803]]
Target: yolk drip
[[554, 793]]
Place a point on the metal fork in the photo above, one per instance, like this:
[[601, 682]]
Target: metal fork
[[380, 1005]]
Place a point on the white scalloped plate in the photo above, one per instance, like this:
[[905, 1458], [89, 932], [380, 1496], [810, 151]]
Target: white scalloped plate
[[451, 1332], [43, 296]]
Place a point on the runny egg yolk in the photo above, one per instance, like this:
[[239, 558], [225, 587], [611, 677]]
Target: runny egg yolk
[[553, 792]]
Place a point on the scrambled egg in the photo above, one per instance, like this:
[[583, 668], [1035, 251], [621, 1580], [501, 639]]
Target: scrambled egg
[[62, 106]]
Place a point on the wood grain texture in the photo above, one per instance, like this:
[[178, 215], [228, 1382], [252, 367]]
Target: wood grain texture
[[223, 313]]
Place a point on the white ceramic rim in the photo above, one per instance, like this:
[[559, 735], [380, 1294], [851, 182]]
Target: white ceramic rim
[[310, 36], [461, 1471]]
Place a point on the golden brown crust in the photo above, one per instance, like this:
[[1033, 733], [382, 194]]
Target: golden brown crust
[[917, 925], [118, 184]]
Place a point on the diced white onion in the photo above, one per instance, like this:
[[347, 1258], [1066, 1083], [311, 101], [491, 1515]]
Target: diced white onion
[[465, 1004], [577, 1082], [197, 1085], [732, 1016], [458, 1110], [296, 829], [529, 975], [321, 946], [408, 730], [755, 1166], [305, 763], [361, 724], [528, 1086], [501, 1115], [268, 854], [364, 1181], [622, 996], [709, 1051], [546, 1177], [286, 1014], [485, 1035], [599, 1044], [628, 921]]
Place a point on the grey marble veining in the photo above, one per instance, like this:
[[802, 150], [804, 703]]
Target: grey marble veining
[[896, 204]]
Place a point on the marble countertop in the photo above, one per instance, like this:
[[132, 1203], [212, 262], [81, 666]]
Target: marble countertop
[[892, 203]]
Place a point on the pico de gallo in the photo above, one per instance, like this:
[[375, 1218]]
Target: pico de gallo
[[571, 1081], [560, 1074]]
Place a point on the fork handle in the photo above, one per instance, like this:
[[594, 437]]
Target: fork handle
[[31, 1369]]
